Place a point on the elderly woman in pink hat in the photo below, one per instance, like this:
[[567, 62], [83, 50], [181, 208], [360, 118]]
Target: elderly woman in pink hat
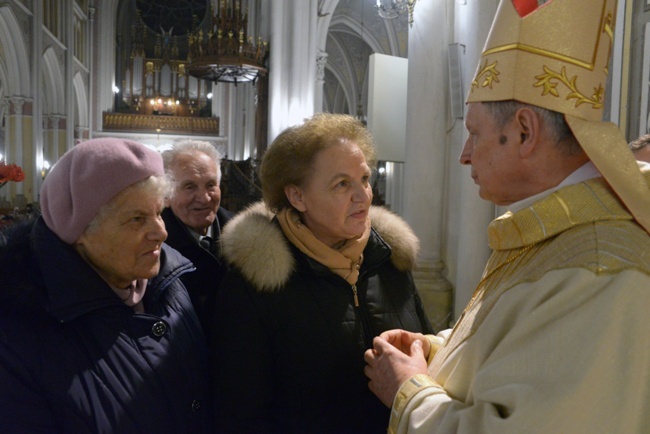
[[97, 332]]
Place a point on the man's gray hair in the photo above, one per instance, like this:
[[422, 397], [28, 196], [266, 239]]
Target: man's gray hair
[[188, 147], [503, 111]]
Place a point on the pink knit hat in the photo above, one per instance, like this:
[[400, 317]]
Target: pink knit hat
[[87, 177]]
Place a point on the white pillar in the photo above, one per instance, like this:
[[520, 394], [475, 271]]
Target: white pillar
[[248, 113], [52, 155], [69, 75], [104, 53], [36, 153], [90, 50], [237, 118], [6, 110], [469, 215], [321, 62], [14, 148], [292, 71], [424, 177]]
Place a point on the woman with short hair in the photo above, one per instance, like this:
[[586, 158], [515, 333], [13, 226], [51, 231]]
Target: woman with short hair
[[313, 281]]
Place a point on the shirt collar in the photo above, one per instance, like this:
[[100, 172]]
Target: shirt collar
[[583, 173], [198, 237]]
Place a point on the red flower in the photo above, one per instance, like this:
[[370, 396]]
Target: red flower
[[10, 172]]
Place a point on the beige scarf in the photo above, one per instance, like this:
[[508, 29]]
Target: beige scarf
[[344, 261]]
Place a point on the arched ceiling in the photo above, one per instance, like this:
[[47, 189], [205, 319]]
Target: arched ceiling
[[356, 31]]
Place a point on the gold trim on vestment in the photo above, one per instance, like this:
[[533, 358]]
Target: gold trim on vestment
[[580, 226]]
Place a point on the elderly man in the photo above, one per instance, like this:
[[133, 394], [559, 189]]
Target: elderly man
[[555, 338], [640, 148], [194, 220], [97, 332]]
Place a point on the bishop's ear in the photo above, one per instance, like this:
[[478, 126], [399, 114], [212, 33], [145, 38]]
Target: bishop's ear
[[529, 124], [294, 194]]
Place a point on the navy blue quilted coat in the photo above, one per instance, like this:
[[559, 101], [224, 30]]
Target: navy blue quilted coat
[[75, 359]]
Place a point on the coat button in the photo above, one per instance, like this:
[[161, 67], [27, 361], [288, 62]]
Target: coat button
[[196, 405], [159, 328]]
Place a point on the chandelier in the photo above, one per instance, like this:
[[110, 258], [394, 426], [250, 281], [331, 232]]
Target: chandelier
[[395, 9], [225, 52]]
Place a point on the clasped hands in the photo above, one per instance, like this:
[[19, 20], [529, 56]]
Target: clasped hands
[[396, 356]]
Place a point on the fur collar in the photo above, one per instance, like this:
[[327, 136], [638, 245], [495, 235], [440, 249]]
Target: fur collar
[[258, 248]]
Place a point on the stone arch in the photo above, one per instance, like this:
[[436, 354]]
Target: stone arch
[[343, 73], [354, 32], [14, 53], [326, 10], [346, 24], [52, 79], [81, 99]]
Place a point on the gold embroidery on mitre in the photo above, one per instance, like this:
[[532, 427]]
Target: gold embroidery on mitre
[[491, 75], [522, 50], [547, 81], [542, 53]]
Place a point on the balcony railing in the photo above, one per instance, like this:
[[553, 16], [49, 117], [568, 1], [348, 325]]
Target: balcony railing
[[161, 124]]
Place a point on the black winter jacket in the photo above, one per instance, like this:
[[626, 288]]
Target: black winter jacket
[[203, 283], [289, 341], [75, 359]]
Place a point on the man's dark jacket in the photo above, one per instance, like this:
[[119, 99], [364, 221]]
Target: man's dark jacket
[[203, 283], [75, 359]]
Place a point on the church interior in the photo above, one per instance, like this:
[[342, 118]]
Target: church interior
[[236, 73]]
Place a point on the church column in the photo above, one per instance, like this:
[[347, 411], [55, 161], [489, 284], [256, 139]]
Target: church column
[[6, 107], [19, 150], [221, 96], [321, 61], [424, 178], [81, 134], [325, 13], [67, 134], [33, 145], [56, 141], [15, 143], [469, 215], [91, 67], [49, 143], [103, 75], [292, 63]]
